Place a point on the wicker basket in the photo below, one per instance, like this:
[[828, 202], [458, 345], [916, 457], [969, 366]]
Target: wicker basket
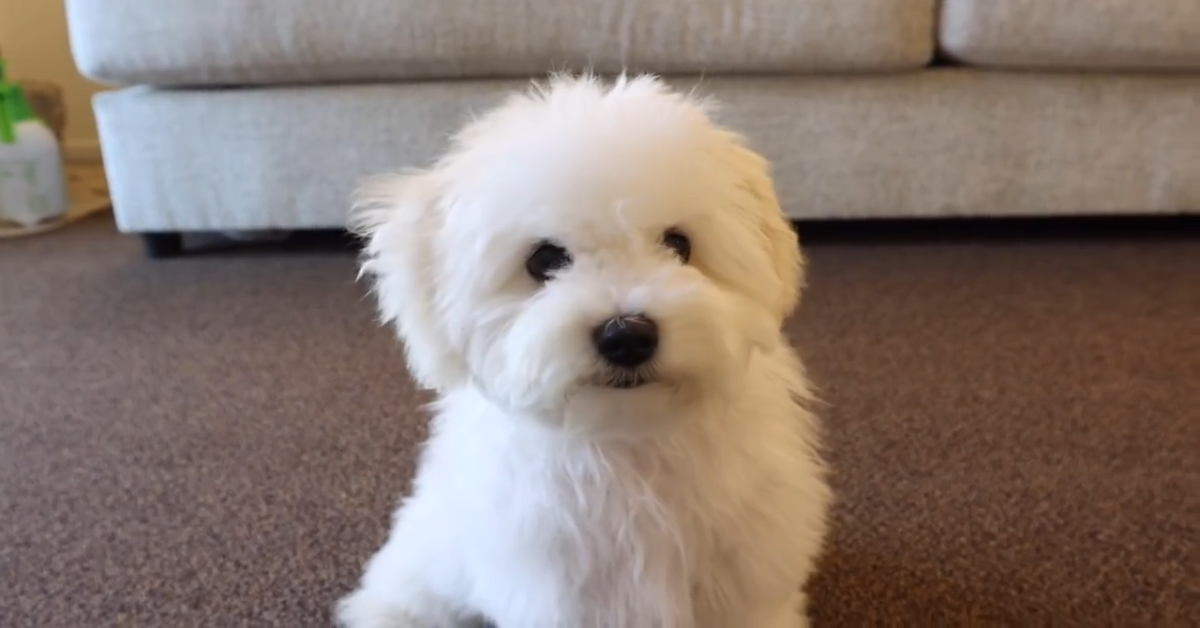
[[47, 101]]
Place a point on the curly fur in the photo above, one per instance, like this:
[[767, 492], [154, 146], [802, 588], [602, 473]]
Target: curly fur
[[545, 498]]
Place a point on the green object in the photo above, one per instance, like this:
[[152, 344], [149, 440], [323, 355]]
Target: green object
[[14, 108]]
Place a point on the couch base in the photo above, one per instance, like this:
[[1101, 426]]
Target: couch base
[[160, 244], [947, 142]]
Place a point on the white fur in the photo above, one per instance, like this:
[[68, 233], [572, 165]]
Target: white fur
[[544, 498]]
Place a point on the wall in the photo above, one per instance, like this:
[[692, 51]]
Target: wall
[[33, 41]]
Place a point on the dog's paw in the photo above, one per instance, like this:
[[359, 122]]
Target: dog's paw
[[363, 610], [793, 615], [789, 620]]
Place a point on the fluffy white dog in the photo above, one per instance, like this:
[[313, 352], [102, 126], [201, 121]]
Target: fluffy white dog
[[594, 280]]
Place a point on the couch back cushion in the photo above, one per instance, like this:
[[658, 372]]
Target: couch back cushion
[[1073, 34], [254, 42]]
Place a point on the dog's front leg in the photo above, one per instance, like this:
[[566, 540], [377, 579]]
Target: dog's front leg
[[414, 581]]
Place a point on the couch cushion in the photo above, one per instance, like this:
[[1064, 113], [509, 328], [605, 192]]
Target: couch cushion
[[937, 143], [1078, 34], [171, 42]]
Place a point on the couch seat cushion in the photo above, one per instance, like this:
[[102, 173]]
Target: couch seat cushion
[[1075, 34], [205, 42]]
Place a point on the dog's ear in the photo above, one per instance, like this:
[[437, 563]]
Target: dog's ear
[[785, 256], [781, 240], [400, 216]]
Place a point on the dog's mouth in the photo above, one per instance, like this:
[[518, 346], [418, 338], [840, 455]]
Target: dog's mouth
[[626, 380], [629, 383]]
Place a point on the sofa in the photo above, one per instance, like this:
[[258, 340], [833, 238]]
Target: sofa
[[263, 114]]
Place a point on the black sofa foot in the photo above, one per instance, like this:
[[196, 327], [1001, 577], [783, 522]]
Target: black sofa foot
[[162, 245]]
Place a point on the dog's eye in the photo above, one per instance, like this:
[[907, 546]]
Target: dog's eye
[[546, 258], [680, 244]]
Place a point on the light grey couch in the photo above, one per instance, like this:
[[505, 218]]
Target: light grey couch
[[253, 114]]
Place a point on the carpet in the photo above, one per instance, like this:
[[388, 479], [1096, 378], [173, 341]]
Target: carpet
[[218, 440]]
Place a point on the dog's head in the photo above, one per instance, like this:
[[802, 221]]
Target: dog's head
[[595, 257]]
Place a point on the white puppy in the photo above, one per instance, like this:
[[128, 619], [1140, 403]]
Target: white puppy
[[594, 280]]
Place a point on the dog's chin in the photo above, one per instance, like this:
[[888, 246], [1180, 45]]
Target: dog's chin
[[623, 410], [630, 405], [625, 403]]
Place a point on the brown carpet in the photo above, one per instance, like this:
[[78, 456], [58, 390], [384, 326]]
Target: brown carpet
[[218, 440]]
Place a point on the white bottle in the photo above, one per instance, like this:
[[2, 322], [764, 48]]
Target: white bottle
[[33, 186]]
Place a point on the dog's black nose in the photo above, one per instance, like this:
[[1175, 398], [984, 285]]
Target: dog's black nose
[[626, 341]]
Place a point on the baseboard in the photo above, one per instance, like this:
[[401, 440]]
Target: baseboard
[[82, 151]]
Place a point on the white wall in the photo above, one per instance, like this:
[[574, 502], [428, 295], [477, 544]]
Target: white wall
[[33, 41]]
